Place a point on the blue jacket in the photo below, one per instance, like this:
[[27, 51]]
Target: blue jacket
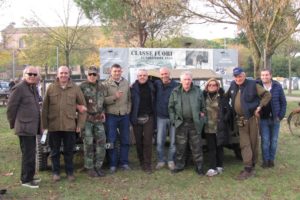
[[278, 100], [249, 97], [135, 99], [162, 97]]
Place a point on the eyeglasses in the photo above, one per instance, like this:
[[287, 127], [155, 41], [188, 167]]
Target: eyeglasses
[[93, 74], [31, 74], [212, 85]]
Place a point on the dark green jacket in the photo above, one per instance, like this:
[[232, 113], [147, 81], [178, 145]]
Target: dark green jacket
[[197, 103]]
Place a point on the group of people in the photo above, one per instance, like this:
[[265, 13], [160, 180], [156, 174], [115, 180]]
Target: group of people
[[181, 111]]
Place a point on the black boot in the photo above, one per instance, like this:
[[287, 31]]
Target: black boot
[[199, 169], [271, 163], [265, 164]]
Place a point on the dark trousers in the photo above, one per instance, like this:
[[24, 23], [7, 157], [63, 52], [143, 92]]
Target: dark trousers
[[186, 134], [68, 139], [215, 153], [143, 136], [28, 145]]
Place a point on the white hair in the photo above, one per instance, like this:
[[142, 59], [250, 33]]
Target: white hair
[[186, 73], [25, 71]]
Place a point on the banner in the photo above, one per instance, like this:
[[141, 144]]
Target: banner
[[132, 59]]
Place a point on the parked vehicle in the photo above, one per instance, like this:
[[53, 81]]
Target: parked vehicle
[[200, 76], [4, 92]]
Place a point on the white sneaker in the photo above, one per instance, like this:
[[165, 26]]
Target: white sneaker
[[160, 165], [30, 185], [211, 172], [171, 165], [220, 170]]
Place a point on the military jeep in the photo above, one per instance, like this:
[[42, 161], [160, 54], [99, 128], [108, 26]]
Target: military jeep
[[200, 76]]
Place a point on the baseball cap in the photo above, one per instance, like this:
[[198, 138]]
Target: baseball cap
[[92, 69], [237, 71]]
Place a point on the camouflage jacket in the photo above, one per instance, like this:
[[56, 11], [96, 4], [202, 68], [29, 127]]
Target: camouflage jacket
[[94, 97]]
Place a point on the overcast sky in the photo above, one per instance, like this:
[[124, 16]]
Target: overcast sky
[[49, 10]]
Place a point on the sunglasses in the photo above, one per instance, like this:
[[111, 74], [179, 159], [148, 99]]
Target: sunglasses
[[92, 74], [31, 74], [212, 85]]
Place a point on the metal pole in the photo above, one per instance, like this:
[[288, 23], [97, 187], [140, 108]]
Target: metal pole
[[56, 57], [224, 38], [13, 65]]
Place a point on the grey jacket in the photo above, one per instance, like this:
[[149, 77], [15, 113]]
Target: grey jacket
[[23, 111]]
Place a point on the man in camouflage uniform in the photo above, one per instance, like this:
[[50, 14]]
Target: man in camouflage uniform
[[187, 113], [94, 136]]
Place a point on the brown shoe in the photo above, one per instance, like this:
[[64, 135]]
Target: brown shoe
[[245, 175], [271, 163], [55, 178], [92, 173], [71, 178], [265, 164]]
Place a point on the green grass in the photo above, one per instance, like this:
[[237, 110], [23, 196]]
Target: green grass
[[282, 182], [295, 93]]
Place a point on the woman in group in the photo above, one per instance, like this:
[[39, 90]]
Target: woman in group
[[216, 130]]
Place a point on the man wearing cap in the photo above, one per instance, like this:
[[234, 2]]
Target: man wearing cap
[[247, 99], [94, 138]]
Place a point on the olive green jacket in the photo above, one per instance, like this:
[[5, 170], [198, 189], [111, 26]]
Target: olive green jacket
[[115, 106], [197, 104], [59, 108]]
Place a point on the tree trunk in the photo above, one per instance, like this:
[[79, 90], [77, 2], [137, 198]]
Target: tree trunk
[[67, 54], [290, 76]]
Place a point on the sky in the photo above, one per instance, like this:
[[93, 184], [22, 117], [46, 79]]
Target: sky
[[50, 10]]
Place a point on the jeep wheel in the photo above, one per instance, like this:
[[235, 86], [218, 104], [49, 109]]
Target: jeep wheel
[[41, 157]]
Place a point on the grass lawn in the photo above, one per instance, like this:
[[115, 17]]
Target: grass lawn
[[281, 182], [295, 93]]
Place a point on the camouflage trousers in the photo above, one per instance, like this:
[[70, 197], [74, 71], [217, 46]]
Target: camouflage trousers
[[186, 134], [94, 141]]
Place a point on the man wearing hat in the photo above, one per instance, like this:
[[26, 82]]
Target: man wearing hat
[[94, 138], [247, 99]]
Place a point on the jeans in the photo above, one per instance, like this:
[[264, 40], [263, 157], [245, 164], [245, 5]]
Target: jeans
[[163, 125], [27, 145], [269, 137], [120, 122], [69, 140]]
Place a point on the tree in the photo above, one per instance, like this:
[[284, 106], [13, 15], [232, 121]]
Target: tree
[[290, 49], [266, 23], [67, 38], [136, 20]]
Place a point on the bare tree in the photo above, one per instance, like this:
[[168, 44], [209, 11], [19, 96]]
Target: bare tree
[[67, 37], [266, 23]]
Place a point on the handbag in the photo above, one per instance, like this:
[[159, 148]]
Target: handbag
[[142, 119]]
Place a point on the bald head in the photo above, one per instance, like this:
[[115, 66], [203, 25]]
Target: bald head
[[63, 75], [165, 75]]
